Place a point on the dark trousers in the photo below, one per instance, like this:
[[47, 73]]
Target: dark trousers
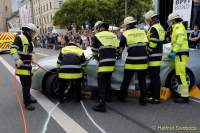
[[26, 86], [154, 89], [128, 74], [75, 87], [104, 85]]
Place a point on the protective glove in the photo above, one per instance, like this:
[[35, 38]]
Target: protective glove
[[19, 62], [172, 54]]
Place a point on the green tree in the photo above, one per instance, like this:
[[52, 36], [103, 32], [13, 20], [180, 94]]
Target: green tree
[[111, 11]]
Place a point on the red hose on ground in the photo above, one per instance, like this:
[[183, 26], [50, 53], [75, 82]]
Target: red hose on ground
[[16, 89], [17, 93]]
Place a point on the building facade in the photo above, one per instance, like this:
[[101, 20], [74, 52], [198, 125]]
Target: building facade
[[43, 12], [25, 12], [5, 12], [13, 22]]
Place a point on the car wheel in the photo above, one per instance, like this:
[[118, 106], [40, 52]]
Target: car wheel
[[172, 82], [52, 86]]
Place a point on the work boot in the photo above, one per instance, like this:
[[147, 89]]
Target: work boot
[[29, 107], [182, 100], [152, 100], [32, 100], [142, 101], [101, 107]]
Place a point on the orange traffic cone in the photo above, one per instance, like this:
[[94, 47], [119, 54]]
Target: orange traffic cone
[[195, 92]]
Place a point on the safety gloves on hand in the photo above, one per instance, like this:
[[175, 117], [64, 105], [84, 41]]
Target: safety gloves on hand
[[172, 54]]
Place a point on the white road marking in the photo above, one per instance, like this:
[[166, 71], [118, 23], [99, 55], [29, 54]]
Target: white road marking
[[91, 119], [48, 118], [42, 54], [198, 101], [66, 122]]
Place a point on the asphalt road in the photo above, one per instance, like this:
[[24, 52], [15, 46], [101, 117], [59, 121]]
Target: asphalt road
[[73, 117]]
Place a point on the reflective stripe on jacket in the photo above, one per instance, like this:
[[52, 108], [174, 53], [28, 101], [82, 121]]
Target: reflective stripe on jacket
[[24, 53], [69, 63], [179, 39], [156, 36], [137, 54], [107, 51]]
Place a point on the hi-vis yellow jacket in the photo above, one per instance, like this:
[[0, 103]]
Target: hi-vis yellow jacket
[[69, 62], [156, 36], [104, 46], [136, 40], [22, 49], [179, 39]]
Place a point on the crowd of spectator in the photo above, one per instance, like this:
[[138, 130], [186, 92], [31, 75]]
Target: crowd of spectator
[[82, 37]]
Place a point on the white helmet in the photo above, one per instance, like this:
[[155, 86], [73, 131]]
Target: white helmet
[[150, 14], [173, 16], [113, 28], [129, 20], [31, 27], [97, 24]]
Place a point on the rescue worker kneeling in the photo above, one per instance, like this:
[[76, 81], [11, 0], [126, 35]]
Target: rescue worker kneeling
[[136, 62], [22, 52], [104, 45], [70, 70]]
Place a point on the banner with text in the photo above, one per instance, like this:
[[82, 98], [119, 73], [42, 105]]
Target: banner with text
[[184, 9]]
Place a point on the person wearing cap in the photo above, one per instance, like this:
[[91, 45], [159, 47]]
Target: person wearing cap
[[22, 52], [179, 54], [104, 45], [136, 41], [69, 67], [156, 36]]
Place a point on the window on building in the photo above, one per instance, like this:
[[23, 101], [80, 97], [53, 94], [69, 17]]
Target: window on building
[[50, 5], [60, 3], [40, 20], [50, 18]]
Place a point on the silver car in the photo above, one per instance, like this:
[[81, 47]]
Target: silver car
[[46, 80]]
